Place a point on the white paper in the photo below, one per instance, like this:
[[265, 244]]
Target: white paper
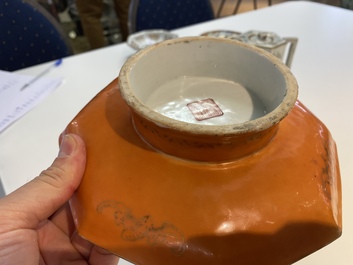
[[14, 102]]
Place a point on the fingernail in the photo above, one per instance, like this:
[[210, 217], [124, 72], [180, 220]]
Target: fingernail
[[67, 146]]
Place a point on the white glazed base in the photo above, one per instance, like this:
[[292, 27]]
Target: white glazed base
[[236, 103]]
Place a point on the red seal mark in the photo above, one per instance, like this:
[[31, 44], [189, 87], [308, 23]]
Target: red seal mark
[[204, 109]]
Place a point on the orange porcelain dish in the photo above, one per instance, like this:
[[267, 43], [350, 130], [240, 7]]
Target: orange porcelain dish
[[274, 205]]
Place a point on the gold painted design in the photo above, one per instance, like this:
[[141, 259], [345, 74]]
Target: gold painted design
[[135, 229]]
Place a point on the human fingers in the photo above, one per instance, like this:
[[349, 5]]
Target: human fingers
[[41, 197], [83, 246], [100, 256], [62, 218], [92, 253], [56, 247]]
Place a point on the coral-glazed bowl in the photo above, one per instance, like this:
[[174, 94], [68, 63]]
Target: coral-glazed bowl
[[202, 155], [207, 92]]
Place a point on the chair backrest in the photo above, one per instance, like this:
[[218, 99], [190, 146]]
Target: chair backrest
[[167, 14], [29, 35]]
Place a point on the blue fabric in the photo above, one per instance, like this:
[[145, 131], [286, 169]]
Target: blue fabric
[[171, 14], [28, 35]]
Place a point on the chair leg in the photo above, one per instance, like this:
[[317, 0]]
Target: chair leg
[[237, 7], [255, 4], [220, 8]]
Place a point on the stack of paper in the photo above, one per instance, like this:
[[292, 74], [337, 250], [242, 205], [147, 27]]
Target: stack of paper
[[19, 94]]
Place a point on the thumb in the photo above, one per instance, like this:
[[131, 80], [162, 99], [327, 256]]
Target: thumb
[[41, 197]]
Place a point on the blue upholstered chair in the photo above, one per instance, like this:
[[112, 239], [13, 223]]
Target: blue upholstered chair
[[29, 35], [167, 14]]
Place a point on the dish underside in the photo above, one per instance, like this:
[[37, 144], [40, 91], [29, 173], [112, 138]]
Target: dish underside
[[151, 208]]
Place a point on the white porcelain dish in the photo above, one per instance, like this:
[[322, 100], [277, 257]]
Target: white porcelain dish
[[143, 39], [234, 35]]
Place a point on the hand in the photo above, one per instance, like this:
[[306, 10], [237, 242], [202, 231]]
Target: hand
[[36, 225]]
